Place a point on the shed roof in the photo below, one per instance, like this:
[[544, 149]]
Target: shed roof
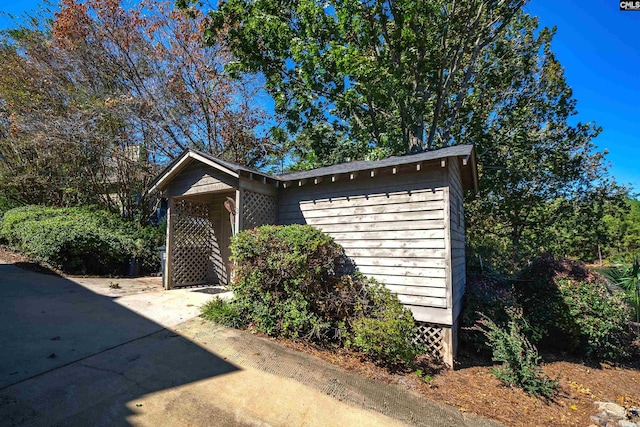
[[454, 151], [463, 151]]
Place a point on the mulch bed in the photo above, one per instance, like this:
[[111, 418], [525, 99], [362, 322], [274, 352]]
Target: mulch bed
[[472, 388]]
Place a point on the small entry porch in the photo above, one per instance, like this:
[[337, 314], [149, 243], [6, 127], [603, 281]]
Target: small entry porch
[[209, 200]]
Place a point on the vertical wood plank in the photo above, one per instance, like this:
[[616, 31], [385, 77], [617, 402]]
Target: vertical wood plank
[[239, 220], [166, 279], [447, 237]]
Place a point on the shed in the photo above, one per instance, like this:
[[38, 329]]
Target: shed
[[401, 221]]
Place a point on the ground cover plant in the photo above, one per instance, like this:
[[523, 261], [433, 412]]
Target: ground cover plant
[[294, 282], [80, 240], [555, 305]]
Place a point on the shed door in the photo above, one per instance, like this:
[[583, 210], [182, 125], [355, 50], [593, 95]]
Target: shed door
[[193, 244]]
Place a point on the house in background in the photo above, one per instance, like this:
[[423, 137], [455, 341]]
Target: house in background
[[401, 221]]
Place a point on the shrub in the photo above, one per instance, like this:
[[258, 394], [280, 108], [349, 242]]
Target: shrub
[[627, 277], [6, 204], [487, 296], [519, 359], [77, 240], [294, 281], [574, 308], [221, 311], [386, 332], [599, 318], [281, 274]]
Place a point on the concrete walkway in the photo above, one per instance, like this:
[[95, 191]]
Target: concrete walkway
[[131, 370], [48, 321]]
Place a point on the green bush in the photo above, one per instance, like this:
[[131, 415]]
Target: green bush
[[487, 296], [574, 308], [627, 278], [7, 204], [599, 319], [519, 359], [386, 332], [221, 311], [294, 281], [78, 240], [280, 272]]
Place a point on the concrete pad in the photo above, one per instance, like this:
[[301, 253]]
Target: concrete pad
[[207, 375], [164, 379], [48, 321]]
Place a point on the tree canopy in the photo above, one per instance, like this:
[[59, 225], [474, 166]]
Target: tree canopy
[[367, 79], [389, 74], [95, 96]]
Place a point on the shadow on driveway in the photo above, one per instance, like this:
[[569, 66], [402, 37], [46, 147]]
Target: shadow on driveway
[[47, 321]]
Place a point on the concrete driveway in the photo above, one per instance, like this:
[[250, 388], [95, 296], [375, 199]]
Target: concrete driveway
[[48, 321], [77, 352]]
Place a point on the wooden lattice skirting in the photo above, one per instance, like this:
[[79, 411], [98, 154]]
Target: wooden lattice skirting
[[438, 341], [258, 209], [431, 337]]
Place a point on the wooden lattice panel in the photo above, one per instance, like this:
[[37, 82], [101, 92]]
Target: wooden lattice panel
[[258, 209], [193, 240], [431, 337]]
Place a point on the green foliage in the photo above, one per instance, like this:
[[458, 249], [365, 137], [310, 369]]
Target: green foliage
[[221, 311], [294, 281], [627, 278], [422, 375], [356, 80], [386, 332], [7, 204], [574, 309], [543, 184], [624, 228], [80, 240], [146, 243], [519, 359], [484, 296], [371, 74], [565, 307]]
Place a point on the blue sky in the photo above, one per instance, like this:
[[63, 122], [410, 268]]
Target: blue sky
[[598, 45]]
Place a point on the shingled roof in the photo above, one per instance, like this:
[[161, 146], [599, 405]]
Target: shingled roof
[[455, 151], [234, 169]]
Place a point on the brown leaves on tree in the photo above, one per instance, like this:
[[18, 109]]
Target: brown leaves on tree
[[78, 96]]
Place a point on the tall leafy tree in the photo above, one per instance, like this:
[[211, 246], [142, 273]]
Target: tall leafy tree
[[388, 74], [519, 112], [94, 97], [358, 79]]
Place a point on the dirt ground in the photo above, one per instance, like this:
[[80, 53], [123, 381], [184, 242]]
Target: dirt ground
[[11, 257], [472, 388], [23, 262]]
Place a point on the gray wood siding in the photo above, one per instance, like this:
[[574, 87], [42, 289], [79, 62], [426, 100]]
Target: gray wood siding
[[198, 178], [392, 226], [458, 268]]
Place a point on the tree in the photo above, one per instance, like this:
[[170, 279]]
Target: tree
[[387, 74], [97, 97], [536, 166], [623, 225], [359, 79]]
